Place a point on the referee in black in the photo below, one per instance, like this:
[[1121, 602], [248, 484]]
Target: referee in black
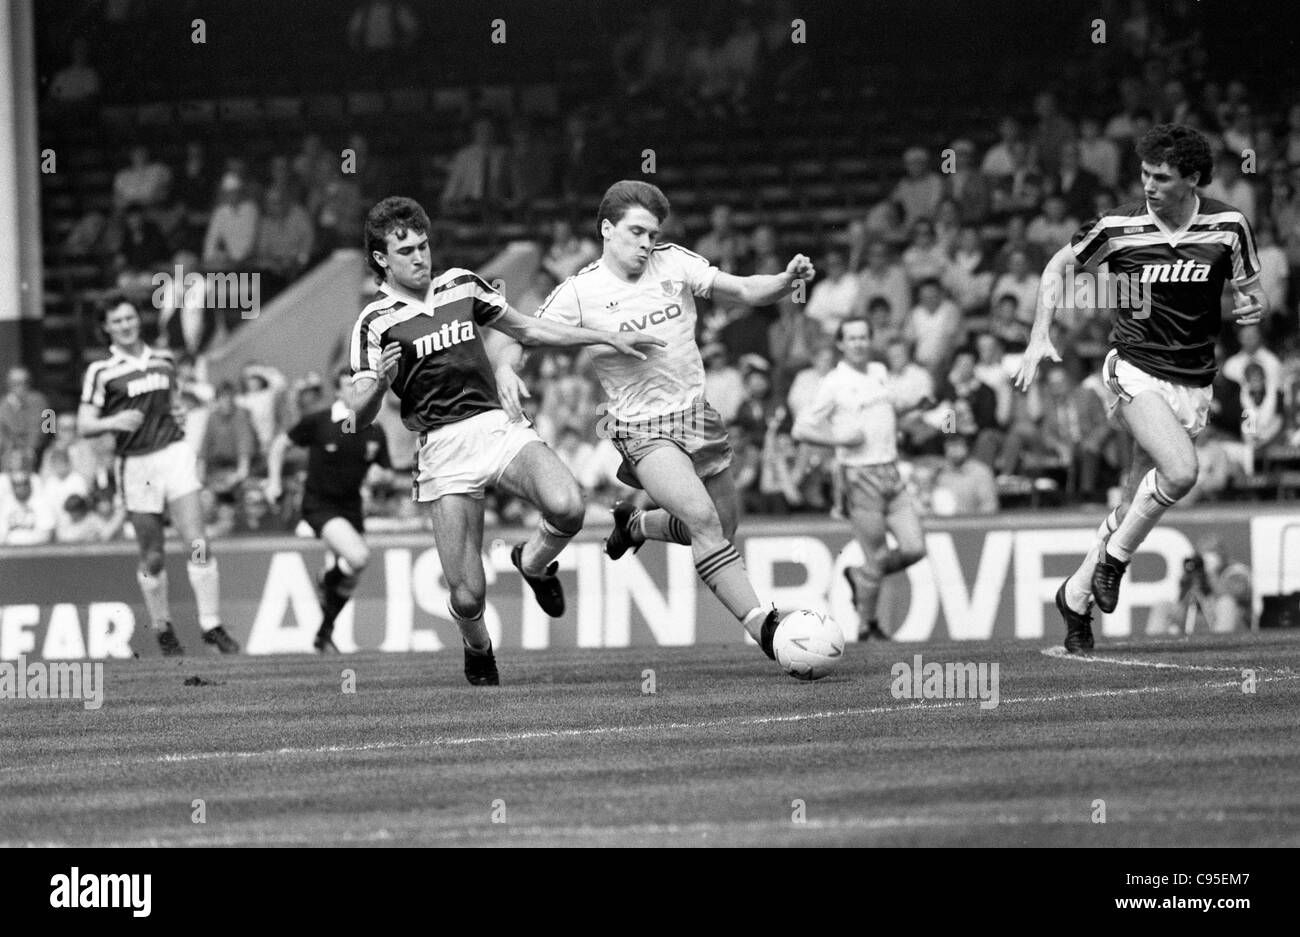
[[339, 456]]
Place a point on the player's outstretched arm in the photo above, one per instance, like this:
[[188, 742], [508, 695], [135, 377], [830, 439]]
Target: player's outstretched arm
[[533, 332], [506, 355], [366, 395], [1049, 295], [762, 289], [90, 423]]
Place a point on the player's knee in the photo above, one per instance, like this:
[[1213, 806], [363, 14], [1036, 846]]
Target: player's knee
[[467, 601], [702, 521], [199, 553], [358, 558], [1180, 479], [566, 510], [152, 561]]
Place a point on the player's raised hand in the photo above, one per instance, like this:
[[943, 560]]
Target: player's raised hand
[[1247, 308], [512, 392], [801, 268], [388, 360], [1039, 348], [627, 343]]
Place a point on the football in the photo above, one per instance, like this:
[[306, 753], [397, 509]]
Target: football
[[808, 644]]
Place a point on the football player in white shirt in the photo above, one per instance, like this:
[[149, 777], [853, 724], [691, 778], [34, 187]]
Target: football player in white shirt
[[674, 445], [854, 411]]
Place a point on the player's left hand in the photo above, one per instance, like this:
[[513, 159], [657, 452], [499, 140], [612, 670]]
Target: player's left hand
[[1247, 308], [627, 343], [512, 392], [801, 268]]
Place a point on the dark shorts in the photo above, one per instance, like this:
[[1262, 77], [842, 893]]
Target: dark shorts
[[699, 432], [318, 513]]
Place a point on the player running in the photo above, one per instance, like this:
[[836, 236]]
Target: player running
[[131, 394], [674, 444], [854, 411], [339, 456], [1182, 250], [421, 336]]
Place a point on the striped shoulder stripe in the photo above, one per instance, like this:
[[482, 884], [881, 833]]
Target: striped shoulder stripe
[[594, 265], [455, 277], [381, 302], [688, 253]]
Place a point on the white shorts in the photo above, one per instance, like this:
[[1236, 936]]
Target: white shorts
[[467, 457], [149, 481], [1124, 381]]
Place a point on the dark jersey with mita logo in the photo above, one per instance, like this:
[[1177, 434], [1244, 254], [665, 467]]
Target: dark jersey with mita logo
[[338, 454], [444, 375], [1182, 273], [124, 382]]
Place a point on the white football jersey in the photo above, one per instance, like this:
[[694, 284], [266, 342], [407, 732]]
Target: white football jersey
[[660, 303], [850, 399]]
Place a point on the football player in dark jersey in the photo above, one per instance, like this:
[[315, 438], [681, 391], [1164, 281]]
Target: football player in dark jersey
[[1173, 254], [422, 337], [339, 456], [131, 394]]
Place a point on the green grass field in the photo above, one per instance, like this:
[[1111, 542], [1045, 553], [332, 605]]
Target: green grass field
[[571, 752]]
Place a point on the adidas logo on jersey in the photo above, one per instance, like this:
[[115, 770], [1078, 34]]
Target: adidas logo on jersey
[[451, 333], [1185, 271], [147, 384]]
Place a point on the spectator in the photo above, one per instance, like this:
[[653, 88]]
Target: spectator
[[885, 278], [804, 387], [576, 174], [947, 225], [1239, 134], [757, 406], [1053, 227], [1098, 154], [723, 387], [25, 418], [311, 163], [1253, 350], [1274, 277], [186, 325], [934, 327], [382, 26], [792, 341], [232, 229], [78, 524], [1074, 184], [1230, 185], [920, 190], [765, 257], [974, 407], [77, 81], [910, 385], [285, 236], [261, 393], [1076, 431], [143, 182], [1263, 410], [967, 276], [1124, 126], [991, 369], [477, 170], [924, 259], [229, 444], [963, 485], [722, 245], [60, 483], [568, 253], [80, 452], [193, 191], [834, 295], [1007, 324], [968, 187], [1021, 189], [369, 171], [530, 164], [1054, 131], [998, 163], [1021, 282], [280, 174], [253, 512], [24, 518], [142, 246]]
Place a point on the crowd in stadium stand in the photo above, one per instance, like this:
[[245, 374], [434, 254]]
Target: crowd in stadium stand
[[946, 268]]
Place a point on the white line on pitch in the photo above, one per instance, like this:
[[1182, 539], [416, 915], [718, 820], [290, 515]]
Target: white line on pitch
[[528, 736], [1061, 654]]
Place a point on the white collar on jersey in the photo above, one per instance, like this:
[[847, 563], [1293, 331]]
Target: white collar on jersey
[[339, 412], [421, 304], [1170, 234], [121, 352]]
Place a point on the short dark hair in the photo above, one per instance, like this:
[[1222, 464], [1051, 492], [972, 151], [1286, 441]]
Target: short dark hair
[[628, 194], [108, 302], [399, 214], [1181, 147], [839, 329]]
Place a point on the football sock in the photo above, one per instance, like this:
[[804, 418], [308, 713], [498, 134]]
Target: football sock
[[1149, 505], [1078, 588], [154, 590], [723, 572], [866, 580], [543, 546], [339, 586], [472, 630], [753, 622], [206, 583], [659, 525]]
